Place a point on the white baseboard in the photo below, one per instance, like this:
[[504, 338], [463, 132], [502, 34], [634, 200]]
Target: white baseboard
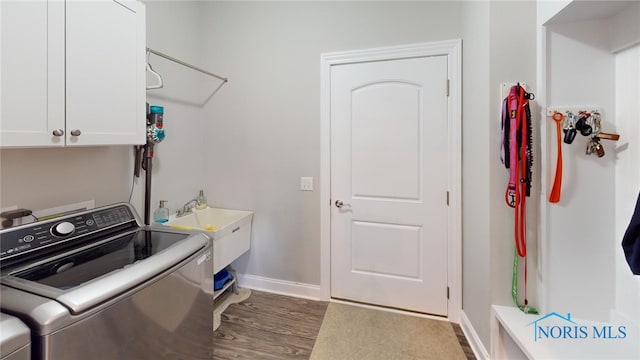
[[474, 340], [283, 287]]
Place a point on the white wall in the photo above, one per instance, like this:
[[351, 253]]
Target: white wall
[[580, 228], [38, 179], [265, 124], [495, 52], [547, 9], [179, 167], [477, 155], [513, 59], [625, 29]]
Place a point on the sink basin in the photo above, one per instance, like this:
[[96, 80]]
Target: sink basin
[[229, 229]]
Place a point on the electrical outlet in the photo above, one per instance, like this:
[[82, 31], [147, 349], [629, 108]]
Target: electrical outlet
[[306, 183]]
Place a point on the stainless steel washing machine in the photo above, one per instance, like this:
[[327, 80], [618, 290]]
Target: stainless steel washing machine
[[15, 339], [100, 285]]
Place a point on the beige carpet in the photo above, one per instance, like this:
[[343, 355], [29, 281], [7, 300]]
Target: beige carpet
[[352, 333]]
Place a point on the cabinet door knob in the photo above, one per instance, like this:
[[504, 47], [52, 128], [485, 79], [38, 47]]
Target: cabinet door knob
[[75, 132], [58, 132]]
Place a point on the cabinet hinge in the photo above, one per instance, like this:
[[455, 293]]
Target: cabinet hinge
[[447, 198], [447, 293], [448, 83]]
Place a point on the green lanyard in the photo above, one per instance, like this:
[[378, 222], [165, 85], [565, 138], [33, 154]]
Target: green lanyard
[[514, 287]]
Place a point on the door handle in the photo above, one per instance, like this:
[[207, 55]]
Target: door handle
[[75, 132], [58, 132], [340, 204]]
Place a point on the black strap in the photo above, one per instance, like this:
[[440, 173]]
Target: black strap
[[506, 125]]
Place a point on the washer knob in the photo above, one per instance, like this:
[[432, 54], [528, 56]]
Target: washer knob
[[63, 229]]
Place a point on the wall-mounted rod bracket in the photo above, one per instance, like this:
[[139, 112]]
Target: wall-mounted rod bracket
[[171, 58]]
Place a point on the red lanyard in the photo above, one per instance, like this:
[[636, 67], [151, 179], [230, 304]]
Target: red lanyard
[[516, 104], [515, 195]]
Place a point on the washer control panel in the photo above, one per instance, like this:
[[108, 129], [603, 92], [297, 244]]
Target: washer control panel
[[31, 237]]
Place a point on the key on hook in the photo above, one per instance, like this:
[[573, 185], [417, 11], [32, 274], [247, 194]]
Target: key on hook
[[569, 128]]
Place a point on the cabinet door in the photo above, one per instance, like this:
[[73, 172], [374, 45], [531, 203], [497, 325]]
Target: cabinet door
[[105, 72], [32, 73]]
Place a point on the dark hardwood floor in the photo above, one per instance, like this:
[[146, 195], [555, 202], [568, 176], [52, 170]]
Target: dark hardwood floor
[[268, 326], [468, 352]]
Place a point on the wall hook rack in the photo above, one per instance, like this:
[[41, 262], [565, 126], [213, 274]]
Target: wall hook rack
[[587, 121]]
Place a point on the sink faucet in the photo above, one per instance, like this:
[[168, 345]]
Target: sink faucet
[[197, 202], [187, 208]]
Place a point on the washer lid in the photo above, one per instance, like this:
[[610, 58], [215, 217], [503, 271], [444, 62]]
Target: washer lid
[[83, 279], [14, 335]]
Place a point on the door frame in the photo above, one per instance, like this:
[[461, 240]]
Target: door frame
[[453, 50]]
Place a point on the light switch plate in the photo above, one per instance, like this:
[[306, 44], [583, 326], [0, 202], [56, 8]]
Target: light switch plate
[[306, 183]]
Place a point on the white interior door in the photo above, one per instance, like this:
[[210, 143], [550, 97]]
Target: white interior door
[[389, 167]]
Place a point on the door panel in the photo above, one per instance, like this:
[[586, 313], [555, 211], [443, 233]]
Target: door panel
[[105, 72], [400, 258], [31, 73], [372, 138], [389, 165]]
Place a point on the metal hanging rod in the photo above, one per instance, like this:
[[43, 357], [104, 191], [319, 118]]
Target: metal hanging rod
[[186, 64]]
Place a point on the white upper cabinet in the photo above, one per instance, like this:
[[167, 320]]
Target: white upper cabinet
[[31, 73], [105, 72], [72, 73]]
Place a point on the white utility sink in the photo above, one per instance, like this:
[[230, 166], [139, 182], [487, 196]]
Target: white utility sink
[[230, 230]]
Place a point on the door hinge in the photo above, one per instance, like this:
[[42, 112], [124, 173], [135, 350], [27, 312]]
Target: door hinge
[[448, 83], [447, 293], [447, 198]]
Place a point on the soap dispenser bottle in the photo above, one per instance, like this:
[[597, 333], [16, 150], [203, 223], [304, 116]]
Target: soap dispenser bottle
[[161, 214], [201, 201]]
